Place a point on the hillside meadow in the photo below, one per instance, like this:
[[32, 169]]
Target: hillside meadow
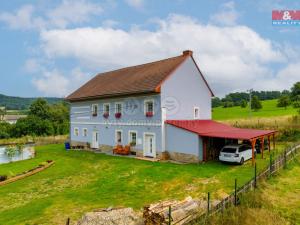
[[269, 110]]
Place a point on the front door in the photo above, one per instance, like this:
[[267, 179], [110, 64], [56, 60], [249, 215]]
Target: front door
[[149, 145], [95, 141]]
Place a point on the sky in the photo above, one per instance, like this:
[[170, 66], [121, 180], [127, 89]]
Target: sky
[[50, 48]]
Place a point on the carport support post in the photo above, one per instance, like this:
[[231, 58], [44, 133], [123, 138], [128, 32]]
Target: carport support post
[[262, 146], [204, 149]]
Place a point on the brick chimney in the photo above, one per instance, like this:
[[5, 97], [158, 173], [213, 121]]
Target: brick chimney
[[187, 53]]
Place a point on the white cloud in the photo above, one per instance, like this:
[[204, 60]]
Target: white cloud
[[232, 58], [227, 15], [67, 13], [33, 66], [56, 83], [135, 3], [22, 19], [73, 12]]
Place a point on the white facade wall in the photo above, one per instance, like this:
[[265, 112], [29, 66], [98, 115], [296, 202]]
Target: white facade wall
[[184, 90]]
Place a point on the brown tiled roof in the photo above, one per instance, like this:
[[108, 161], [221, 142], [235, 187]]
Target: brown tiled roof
[[145, 78]]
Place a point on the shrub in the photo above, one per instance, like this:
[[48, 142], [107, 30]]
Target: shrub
[[244, 103], [284, 101], [3, 177]]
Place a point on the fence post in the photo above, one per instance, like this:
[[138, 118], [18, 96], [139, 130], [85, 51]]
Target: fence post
[[284, 161], [270, 165], [208, 202], [68, 221], [235, 192], [255, 184], [170, 217]]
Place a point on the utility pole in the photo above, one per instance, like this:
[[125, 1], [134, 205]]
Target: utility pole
[[250, 99]]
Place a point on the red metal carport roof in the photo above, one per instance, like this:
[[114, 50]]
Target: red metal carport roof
[[210, 128]]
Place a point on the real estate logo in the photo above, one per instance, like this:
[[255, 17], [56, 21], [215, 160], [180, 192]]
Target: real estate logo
[[286, 17]]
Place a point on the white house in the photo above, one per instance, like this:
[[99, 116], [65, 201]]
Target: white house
[[159, 108]]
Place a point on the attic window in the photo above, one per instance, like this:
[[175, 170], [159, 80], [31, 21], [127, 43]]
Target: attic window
[[196, 113]]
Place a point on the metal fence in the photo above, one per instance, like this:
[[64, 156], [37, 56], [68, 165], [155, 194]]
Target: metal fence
[[233, 199]]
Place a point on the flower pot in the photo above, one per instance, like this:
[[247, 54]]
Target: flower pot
[[149, 114], [118, 115]]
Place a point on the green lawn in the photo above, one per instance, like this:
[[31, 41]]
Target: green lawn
[[269, 110], [81, 181]]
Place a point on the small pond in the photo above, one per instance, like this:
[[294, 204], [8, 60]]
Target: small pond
[[26, 153]]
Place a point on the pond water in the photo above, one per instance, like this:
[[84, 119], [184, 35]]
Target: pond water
[[27, 153]]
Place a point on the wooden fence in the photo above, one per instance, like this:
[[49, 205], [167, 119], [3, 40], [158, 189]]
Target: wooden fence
[[233, 199]]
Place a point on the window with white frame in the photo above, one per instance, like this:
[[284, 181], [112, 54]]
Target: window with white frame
[[132, 138], [196, 113], [106, 108], [118, 107], [118, 137], [149, 107], [76, 131], [84, 132], [94, 109]]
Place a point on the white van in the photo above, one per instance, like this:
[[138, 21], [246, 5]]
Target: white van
[[236, 153]]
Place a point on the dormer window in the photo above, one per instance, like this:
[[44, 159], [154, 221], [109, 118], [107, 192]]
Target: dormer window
[[94, 109], [149, 108]]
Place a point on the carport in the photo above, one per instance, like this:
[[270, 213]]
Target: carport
[[212, 129]]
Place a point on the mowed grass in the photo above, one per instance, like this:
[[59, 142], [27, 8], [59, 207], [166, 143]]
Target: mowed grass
[[81, 181], [269, 110]]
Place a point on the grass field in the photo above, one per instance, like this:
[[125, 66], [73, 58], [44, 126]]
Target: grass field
[[269, 110], [276, 202], [81, 181]]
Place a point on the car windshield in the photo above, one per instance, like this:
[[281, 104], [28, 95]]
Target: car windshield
[[229, 150]]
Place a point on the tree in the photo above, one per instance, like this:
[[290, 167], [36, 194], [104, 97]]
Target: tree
[[227, 104], [34, 126], [5, 130], [284, 101], [215, 102], [295, 92], [244, 103], [255, 103], [59, 116], [2, 113], [40, 108]]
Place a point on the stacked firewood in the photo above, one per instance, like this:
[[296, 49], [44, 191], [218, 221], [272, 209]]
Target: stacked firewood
[[182, 212]]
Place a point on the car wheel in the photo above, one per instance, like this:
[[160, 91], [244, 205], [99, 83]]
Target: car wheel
[[242, 161]]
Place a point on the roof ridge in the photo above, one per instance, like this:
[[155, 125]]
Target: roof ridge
[[148, 63]]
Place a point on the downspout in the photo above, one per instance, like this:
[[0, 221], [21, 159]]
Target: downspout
[[163, 129]]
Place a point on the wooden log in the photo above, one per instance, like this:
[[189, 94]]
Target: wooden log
[[182, 211]]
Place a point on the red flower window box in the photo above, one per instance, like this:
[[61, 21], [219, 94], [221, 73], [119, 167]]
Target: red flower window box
[[149, 114], [118, 115], [106, 115]]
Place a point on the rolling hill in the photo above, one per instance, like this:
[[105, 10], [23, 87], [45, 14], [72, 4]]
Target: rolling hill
[[19, 103], [269, 109]]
